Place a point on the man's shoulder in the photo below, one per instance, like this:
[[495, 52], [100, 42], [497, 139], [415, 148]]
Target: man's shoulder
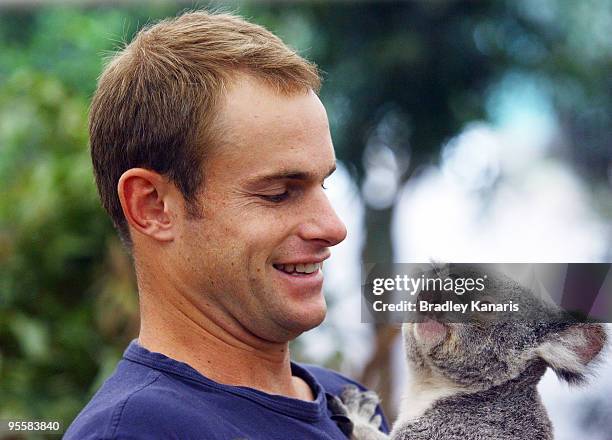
[[331, 381], [147, 401]]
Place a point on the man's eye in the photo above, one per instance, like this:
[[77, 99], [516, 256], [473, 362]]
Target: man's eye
[[275, 198]]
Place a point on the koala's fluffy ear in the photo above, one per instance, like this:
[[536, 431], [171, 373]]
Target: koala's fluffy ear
[[569, 352]]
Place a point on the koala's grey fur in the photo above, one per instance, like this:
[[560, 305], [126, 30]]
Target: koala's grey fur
[[479, 382], [512, 410]]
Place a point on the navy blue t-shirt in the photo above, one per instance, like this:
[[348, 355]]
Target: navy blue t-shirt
[[150, 396]]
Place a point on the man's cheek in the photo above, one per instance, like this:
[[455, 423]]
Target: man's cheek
[[261, 232]]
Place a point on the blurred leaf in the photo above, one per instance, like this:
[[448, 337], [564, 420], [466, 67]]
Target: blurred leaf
[[32, 337]]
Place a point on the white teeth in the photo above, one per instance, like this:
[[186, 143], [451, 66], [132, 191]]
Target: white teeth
[[306, 268], [310, 268]]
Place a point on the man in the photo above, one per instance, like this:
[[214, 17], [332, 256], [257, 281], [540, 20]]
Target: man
[[210, 148]]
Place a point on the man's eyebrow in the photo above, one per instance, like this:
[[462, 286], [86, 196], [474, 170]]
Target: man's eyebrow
[[291, 175]]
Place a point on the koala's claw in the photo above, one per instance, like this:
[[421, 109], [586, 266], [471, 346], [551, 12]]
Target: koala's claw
[[361, 405], [360, 408], [376, 421]]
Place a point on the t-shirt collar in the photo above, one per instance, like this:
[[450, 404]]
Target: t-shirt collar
[[306, 410]]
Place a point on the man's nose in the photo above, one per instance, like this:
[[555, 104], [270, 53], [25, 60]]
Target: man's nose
[[323, 223]]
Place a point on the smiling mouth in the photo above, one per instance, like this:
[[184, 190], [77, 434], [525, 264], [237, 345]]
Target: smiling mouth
[[299, 269]]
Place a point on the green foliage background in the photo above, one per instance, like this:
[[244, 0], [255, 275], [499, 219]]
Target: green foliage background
[[67, 294], [67, 298]]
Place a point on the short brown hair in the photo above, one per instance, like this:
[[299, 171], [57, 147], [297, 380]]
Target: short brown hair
[[157, 98]]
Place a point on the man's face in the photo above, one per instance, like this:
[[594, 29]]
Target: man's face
[[255, 255]]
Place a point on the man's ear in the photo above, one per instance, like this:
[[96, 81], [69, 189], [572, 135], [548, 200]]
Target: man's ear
[[146, 202], [570, 351]]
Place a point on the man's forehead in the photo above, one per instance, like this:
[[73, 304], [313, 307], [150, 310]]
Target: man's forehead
[[265, 136], [252, 109]]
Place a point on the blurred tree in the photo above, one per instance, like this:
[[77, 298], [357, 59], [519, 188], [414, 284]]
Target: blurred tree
[[413, 78]]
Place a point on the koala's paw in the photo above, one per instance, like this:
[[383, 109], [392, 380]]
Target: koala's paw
[[360, 408]]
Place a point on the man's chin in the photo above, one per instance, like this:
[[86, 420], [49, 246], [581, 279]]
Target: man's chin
[[316, 320], [304, 321]]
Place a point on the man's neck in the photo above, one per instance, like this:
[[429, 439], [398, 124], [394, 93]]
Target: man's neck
[[218, 348]]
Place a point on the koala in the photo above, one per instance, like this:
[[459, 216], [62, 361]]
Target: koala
[[477, 380]]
